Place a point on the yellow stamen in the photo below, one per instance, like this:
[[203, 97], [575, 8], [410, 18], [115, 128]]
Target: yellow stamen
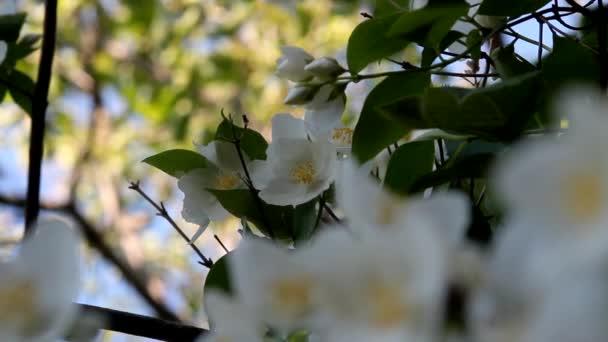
[[17, 301], [387, 307], [583, 196], [304, 173], [226, 181], [343, 135], [291, 296]]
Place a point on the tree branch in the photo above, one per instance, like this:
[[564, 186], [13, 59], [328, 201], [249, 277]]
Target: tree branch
[[39, 106], [144, 326]]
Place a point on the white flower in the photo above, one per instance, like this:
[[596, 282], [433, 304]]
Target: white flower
[[376, 210], [324, 111], [230, 320], [277, 285], [38, 287], [527, 285], [291, 64], [300, 169], [324, 68], [388, 287], [561, 183], [224, 173]]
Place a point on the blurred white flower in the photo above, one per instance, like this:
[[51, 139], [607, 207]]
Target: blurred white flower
[[291, 64], [390, 288], [561, 183], [300, 169], [38, 287], [375, 209], [230, 320], [531, 291], [324, 111], [275, 284], [324, 68]]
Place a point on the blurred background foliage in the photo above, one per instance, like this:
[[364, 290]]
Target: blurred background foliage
[[132, 78]]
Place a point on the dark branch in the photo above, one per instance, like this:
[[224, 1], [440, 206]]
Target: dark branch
[[144, 326], [39, 105]]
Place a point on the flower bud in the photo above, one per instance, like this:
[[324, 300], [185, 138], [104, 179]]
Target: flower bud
[[300, 94], [324, 68], [291, 64]]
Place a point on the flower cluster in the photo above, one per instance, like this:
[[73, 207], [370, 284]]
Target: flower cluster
[[381, 276], [316, 87], [389, 272]]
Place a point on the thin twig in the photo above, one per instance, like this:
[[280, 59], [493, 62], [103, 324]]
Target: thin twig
[[221, 243], [331, 212], [39, 106], [254, 192], [162, 212]]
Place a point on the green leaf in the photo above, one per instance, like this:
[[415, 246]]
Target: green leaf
[[475, 166], [388, 7], [507, 63], [511, 8], [177, 162], [252, 142], [570, 62], [10, 26], [368, 43], [430, 53], [407, 164], [218, 277], [474, 42], [21, 87], [497, 112], [241, 203], [429, 25], [375, 131], [304, 219], [298, 336]]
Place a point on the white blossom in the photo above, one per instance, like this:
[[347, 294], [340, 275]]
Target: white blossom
[[300, 169], [548, 180], [291, 64], [278, 286], [230, 320], [224, 173], [38, 287], [376, 209], [387, 287], [324, 111]]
